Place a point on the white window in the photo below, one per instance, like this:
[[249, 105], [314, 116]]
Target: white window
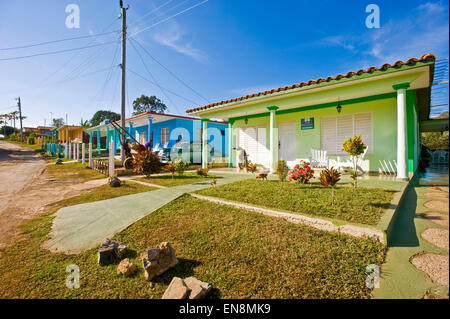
[[164, 135], [336, 129]]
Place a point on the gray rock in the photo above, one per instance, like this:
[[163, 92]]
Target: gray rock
[[177, 289], [109, 251], [199, 289], [126, 268], [157, 260], [189, 288], [114, 182]]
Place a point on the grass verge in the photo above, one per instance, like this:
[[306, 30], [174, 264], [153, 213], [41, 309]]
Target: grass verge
[[361, 205], [73, 171], [242, 254]]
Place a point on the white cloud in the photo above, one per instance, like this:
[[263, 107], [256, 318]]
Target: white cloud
[[174, 38], [424, 29]]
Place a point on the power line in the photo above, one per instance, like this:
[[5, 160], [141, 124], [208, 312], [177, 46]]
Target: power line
[[56, 52], [173, 74], [57, 41], [172, 92], [150, 12], [168, 18], [148, 71]]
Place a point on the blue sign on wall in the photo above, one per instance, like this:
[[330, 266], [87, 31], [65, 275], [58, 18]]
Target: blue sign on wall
[[307, 124]]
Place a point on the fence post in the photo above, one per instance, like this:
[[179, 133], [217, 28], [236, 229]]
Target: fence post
[[83, 153], [90, 154], [69, 146], [111, 159], [78, 151]]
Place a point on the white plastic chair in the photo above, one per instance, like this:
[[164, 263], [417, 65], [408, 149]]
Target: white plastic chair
[[347, 162], [319, 158]]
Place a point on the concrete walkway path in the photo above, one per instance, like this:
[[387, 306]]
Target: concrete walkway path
[[81, 227], [400, 279]]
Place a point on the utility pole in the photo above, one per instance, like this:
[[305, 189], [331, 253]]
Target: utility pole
[[20, 118], [124, 55]]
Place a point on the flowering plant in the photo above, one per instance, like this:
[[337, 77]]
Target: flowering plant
[[301, 173]]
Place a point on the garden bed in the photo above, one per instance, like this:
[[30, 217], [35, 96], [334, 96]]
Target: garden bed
[[361, 205], [242, 254], [168, 181]]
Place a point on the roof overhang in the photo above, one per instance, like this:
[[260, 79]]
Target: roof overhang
[[381, 82], [434, 125]]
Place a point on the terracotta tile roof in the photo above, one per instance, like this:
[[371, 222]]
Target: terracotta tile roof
[[399, 63]]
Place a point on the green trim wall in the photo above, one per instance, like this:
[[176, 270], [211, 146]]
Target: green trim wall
[[384, 128], [411, 107]]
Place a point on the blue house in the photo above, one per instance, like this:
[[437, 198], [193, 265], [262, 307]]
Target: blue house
[[177, 136]]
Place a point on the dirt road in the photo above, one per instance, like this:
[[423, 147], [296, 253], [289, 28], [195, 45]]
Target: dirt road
[[26, 190]]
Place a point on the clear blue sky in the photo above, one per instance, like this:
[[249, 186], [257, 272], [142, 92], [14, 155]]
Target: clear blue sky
[[222, 49]]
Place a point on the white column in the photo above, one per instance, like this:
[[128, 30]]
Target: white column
[[65, 150], [83, 153], [90, 155], [402, 134], [77, 145], [74, 152], [111, 159], [273, 142], [204, 143], [69, 146]]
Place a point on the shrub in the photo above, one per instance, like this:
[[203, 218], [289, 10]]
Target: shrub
[[282, 170], [147, 163], [354, 147], [301, 173], [180, 166], [172, 168], [329, 178], [30, 140], [202, 171]]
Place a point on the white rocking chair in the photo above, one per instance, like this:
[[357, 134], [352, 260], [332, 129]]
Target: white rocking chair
[[347, 162], [319, 158]]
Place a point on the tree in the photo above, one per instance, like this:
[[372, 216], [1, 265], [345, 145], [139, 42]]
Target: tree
[[100, 116], [354, 147], [435, 140], [6, 130], [58, 122], [148, 104]]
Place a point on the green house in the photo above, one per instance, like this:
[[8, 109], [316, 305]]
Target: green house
[[384, 105]]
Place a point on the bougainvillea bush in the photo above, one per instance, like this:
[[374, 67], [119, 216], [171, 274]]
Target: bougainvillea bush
[[147, 163], [301, 173]]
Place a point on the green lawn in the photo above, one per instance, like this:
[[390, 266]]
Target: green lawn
[[361, 205], [168, 181], [73, 171], [241, 253]]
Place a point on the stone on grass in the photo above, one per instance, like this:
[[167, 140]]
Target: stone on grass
[[109, 251], [189, 288], [126, 268], [157, 260], [114, 182], [199, 289], [177, 289]]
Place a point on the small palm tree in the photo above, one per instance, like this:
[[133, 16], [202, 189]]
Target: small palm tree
[[329, 178]]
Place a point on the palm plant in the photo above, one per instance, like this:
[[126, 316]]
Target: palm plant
[[329, 178]]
